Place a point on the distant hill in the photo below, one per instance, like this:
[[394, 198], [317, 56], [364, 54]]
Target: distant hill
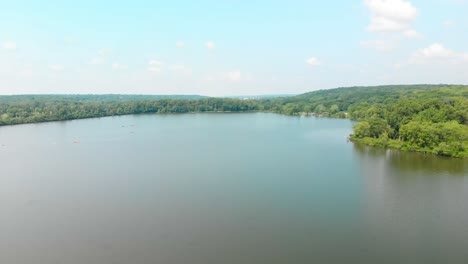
[[341, 99], [424, 118]]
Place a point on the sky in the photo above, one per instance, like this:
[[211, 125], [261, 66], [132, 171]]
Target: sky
[[227, 47]]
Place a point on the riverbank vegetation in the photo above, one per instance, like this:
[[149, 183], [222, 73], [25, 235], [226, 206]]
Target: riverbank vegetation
[[426, 118]]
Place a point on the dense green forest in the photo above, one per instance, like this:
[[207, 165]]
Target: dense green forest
[[426, 118]]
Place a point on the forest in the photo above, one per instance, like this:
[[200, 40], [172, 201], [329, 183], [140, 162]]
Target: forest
[[425, 118]]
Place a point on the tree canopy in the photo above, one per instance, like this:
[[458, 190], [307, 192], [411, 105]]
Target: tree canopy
[[427, 118]]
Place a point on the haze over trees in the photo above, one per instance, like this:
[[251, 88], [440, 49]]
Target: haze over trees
[[426, 118]]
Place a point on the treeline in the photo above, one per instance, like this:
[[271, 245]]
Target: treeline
[[33, 109], [431, 120], [427, 118], [438, 126], [348, 102]]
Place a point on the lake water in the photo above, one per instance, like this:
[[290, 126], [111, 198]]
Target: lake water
[[223, 188]]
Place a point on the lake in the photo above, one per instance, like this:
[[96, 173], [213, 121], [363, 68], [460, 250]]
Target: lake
[[223, 188]]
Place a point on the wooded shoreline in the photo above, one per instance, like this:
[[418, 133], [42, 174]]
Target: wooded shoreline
[[425, 118]]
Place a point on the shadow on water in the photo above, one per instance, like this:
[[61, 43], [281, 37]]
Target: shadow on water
[[412, 162]]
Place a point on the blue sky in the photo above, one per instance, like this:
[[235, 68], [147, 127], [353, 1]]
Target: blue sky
[[229, 47]]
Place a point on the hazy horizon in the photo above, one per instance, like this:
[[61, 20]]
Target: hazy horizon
[[235, 96]]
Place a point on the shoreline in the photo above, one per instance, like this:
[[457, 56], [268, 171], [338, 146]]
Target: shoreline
[[367, 141]]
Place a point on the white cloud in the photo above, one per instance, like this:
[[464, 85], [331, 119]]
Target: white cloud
[[105, 52], [411, 33], [118, 66], [437, 53], [392, 9], [103, 55], [379, 45], [180, 44], [180, 69], [313, 61], [231, 76], [155, 65], [391, 16], [397, 66], [177, 67], [56, 67], [210, 45], [448, 23], [154, 69], [234, 76], [209, 78], [96, 61], [383, 24], [27, 70], [9, 45]]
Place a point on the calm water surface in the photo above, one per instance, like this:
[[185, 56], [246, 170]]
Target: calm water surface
[[223, 188]]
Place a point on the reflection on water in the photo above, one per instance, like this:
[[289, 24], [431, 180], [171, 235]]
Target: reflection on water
[[415, 206], [413, 163], [223, 188]]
